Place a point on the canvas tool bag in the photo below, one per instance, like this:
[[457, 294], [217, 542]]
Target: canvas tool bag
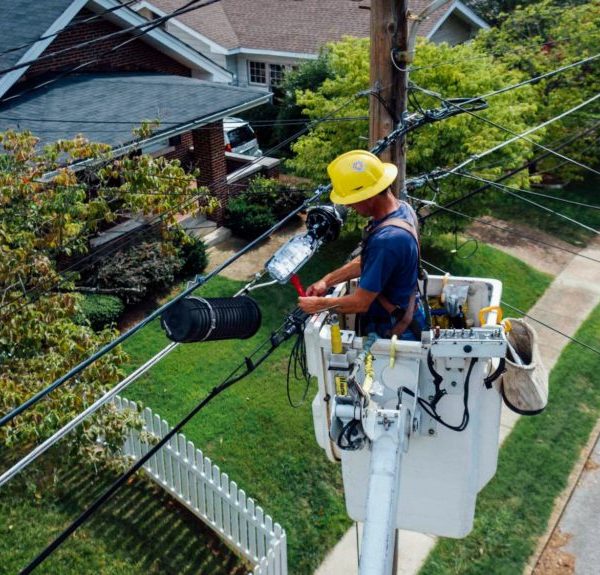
[[524, 387]]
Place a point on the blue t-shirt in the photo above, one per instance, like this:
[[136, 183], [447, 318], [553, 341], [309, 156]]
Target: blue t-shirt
[[390, 263]]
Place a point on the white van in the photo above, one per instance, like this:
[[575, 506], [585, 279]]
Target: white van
[[240, 137]]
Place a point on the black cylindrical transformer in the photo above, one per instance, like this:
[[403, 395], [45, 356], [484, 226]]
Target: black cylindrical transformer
[[194, 319]]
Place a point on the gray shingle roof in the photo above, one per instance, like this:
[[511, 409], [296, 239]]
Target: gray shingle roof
[[24, 21], [81, 104], [302, 26]]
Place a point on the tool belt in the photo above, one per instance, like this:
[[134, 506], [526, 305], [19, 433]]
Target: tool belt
[[404, 316]]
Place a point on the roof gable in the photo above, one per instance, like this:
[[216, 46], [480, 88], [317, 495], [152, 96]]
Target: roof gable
[[291, 26], [26, 22], [22, 23]]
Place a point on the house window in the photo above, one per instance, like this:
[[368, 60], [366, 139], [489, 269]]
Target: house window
[[276, 72], [258, 72]]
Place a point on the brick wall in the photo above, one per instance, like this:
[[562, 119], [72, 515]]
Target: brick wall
[[209, 158], [183, 152], [137, 56]]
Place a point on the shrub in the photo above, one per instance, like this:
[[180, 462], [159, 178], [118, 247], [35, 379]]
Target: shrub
[[279, 198], [136, 270], [100, 310], [193, 252], [248, 220]]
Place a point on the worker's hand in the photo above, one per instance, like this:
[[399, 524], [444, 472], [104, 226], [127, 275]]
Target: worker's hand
[[311, 305], [317, 289]]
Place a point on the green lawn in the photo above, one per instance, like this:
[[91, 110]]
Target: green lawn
[[252, 433], [534, 464], [512, 209], [139, 532]]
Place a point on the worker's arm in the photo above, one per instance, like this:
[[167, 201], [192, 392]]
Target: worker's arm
[[347, 272], [358, 302]]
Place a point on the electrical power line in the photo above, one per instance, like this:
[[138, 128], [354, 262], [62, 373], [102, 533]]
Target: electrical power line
[[188, 7], [563, 143], [151, 25], [72, 24], [250, 365], [515, 134], [538, 78], [507, 190], [513, 231], [260, 123], [523, 191]]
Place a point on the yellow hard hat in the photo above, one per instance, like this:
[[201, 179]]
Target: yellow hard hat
[[359, 175]]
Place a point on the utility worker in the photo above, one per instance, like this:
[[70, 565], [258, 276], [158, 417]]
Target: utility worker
[[388, 266]]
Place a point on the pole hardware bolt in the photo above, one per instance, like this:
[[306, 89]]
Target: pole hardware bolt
[[431, 431]]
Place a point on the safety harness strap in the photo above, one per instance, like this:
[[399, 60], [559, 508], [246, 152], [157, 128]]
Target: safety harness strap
[[404, 316]]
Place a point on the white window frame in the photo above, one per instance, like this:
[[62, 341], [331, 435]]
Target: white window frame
[[268, 83]]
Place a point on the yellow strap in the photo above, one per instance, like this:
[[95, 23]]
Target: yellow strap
[[489, 309]]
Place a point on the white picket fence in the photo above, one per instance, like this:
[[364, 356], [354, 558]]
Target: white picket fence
[[192, 479]]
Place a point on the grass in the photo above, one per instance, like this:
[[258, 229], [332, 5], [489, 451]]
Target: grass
[[139, 532], [511, 209], [252, 433], [533, 468]]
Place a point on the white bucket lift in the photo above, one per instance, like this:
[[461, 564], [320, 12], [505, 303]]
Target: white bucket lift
[[402, 467]]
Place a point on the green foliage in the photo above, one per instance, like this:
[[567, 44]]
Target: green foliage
[[100, 310], [271, 193], [494, 11], [248, 220], [193, 252], [44, 220], [453, 71], [261, 205], [542, 37], [137, 270], [533, 468]]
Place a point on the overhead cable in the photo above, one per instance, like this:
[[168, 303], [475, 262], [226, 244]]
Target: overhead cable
[[188, 7], [526, 133], [507, 190], [574, 340], [565, 142], [128, 237], [66, 429], [512, 231], [259, 123], [517, 136], [287, 330], [70, 25], [540, 77]]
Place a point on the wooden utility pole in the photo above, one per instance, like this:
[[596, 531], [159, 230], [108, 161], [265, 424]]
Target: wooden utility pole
[[389, 38]]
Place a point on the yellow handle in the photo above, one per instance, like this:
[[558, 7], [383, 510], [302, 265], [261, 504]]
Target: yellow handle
[[489, 309], [507, 325], [336, 338]]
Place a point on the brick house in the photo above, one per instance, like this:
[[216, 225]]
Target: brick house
[[105, 94], [258, 43]]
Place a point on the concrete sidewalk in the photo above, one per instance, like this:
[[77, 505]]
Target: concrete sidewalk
[[571, 297]]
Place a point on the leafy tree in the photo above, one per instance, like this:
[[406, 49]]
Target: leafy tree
[[43, 221], [464, 70], [494, 11], [542, 37]]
